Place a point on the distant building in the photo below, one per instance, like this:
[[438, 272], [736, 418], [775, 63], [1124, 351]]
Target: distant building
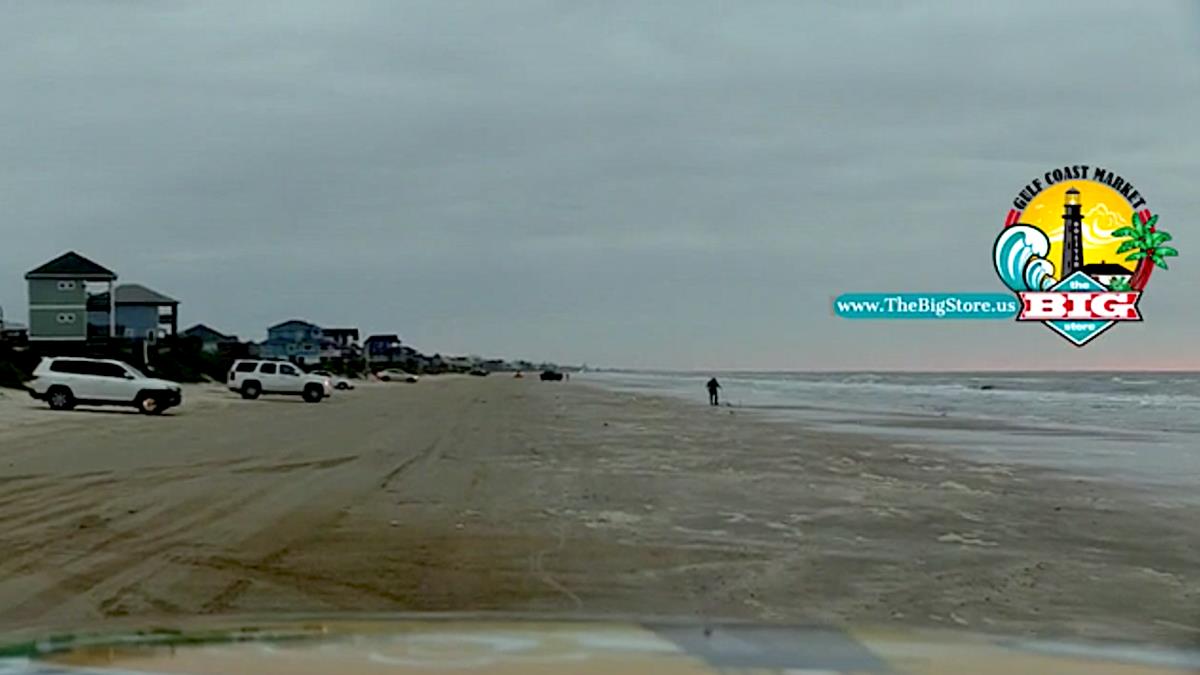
[[383, 348], [1106, 272], [58, 297], [342, 337], [431, 364], [13, 333], [211, 341], [340, 343], [140, 312], [461, 362], [295, 340]]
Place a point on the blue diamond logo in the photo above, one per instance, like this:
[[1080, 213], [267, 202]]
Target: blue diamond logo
[[1079, 332]]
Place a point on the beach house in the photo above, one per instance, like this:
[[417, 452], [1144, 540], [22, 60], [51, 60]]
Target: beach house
[[339, 343], [296, 340], [383, 349], [140, 313], [211, 340], [65, 305], [58, 298]]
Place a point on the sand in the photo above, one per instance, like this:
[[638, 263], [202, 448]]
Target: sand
[[492, 493]]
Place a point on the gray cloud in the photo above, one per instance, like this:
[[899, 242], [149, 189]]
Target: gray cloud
[[679, 184]]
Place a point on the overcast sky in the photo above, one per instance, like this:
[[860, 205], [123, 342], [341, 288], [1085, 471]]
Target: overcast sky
[[674, 184]]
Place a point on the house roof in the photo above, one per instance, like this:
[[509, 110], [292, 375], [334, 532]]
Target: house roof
[[290, 322], [131, 294], [1105, 268], [388, 337], [202, 331], [71, 265]]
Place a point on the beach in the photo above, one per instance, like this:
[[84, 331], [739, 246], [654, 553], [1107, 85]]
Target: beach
[[498, 494]]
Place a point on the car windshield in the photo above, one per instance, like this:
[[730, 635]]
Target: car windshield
[[872, 316]]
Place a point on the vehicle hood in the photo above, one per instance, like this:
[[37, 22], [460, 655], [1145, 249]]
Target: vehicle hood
[[155, 383], [450, 644]]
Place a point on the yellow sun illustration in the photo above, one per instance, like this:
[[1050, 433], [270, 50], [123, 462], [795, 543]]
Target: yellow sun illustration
[[1104, 210]]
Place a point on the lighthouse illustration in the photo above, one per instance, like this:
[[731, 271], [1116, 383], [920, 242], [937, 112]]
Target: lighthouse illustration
[[1072, 242]]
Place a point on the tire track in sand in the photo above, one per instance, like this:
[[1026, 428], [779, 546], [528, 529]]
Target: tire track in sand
[[83, 574], [268, 566]]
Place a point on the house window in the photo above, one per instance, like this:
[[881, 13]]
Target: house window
[[66, 285], [65, 318]]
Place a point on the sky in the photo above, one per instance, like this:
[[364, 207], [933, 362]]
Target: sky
[[671, 184]]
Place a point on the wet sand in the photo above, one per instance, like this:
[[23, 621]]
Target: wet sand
[[517, 495]]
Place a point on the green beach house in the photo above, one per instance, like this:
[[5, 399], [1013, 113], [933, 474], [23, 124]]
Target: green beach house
[[58, 297]]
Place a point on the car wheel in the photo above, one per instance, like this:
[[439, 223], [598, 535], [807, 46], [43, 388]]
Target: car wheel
[[251, 390], [342, 385], [60, 398], [147, 404], [313, 393]]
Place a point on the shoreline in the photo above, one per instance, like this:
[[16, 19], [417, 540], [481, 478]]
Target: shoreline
[[1030, 536], [1113, 454], [495, 494]]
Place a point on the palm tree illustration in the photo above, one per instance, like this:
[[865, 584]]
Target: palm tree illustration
[[1145, 241]]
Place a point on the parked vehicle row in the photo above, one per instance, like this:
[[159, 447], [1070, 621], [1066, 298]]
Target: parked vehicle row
[[65, 382], [252, 378]]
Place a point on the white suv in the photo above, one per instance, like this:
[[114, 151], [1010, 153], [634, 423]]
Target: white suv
[[252, 378], [67, 382]]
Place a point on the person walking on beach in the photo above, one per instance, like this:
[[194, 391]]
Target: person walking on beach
[[713, 386]]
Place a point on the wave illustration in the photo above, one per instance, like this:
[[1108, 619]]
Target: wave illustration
[[1020, 259]]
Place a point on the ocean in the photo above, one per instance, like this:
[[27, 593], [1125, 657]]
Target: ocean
[[1141, 428]]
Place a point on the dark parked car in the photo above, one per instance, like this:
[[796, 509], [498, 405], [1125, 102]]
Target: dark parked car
[[551, 376]]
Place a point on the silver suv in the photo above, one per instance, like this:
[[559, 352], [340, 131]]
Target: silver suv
[[67, 382], [253, 378]]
